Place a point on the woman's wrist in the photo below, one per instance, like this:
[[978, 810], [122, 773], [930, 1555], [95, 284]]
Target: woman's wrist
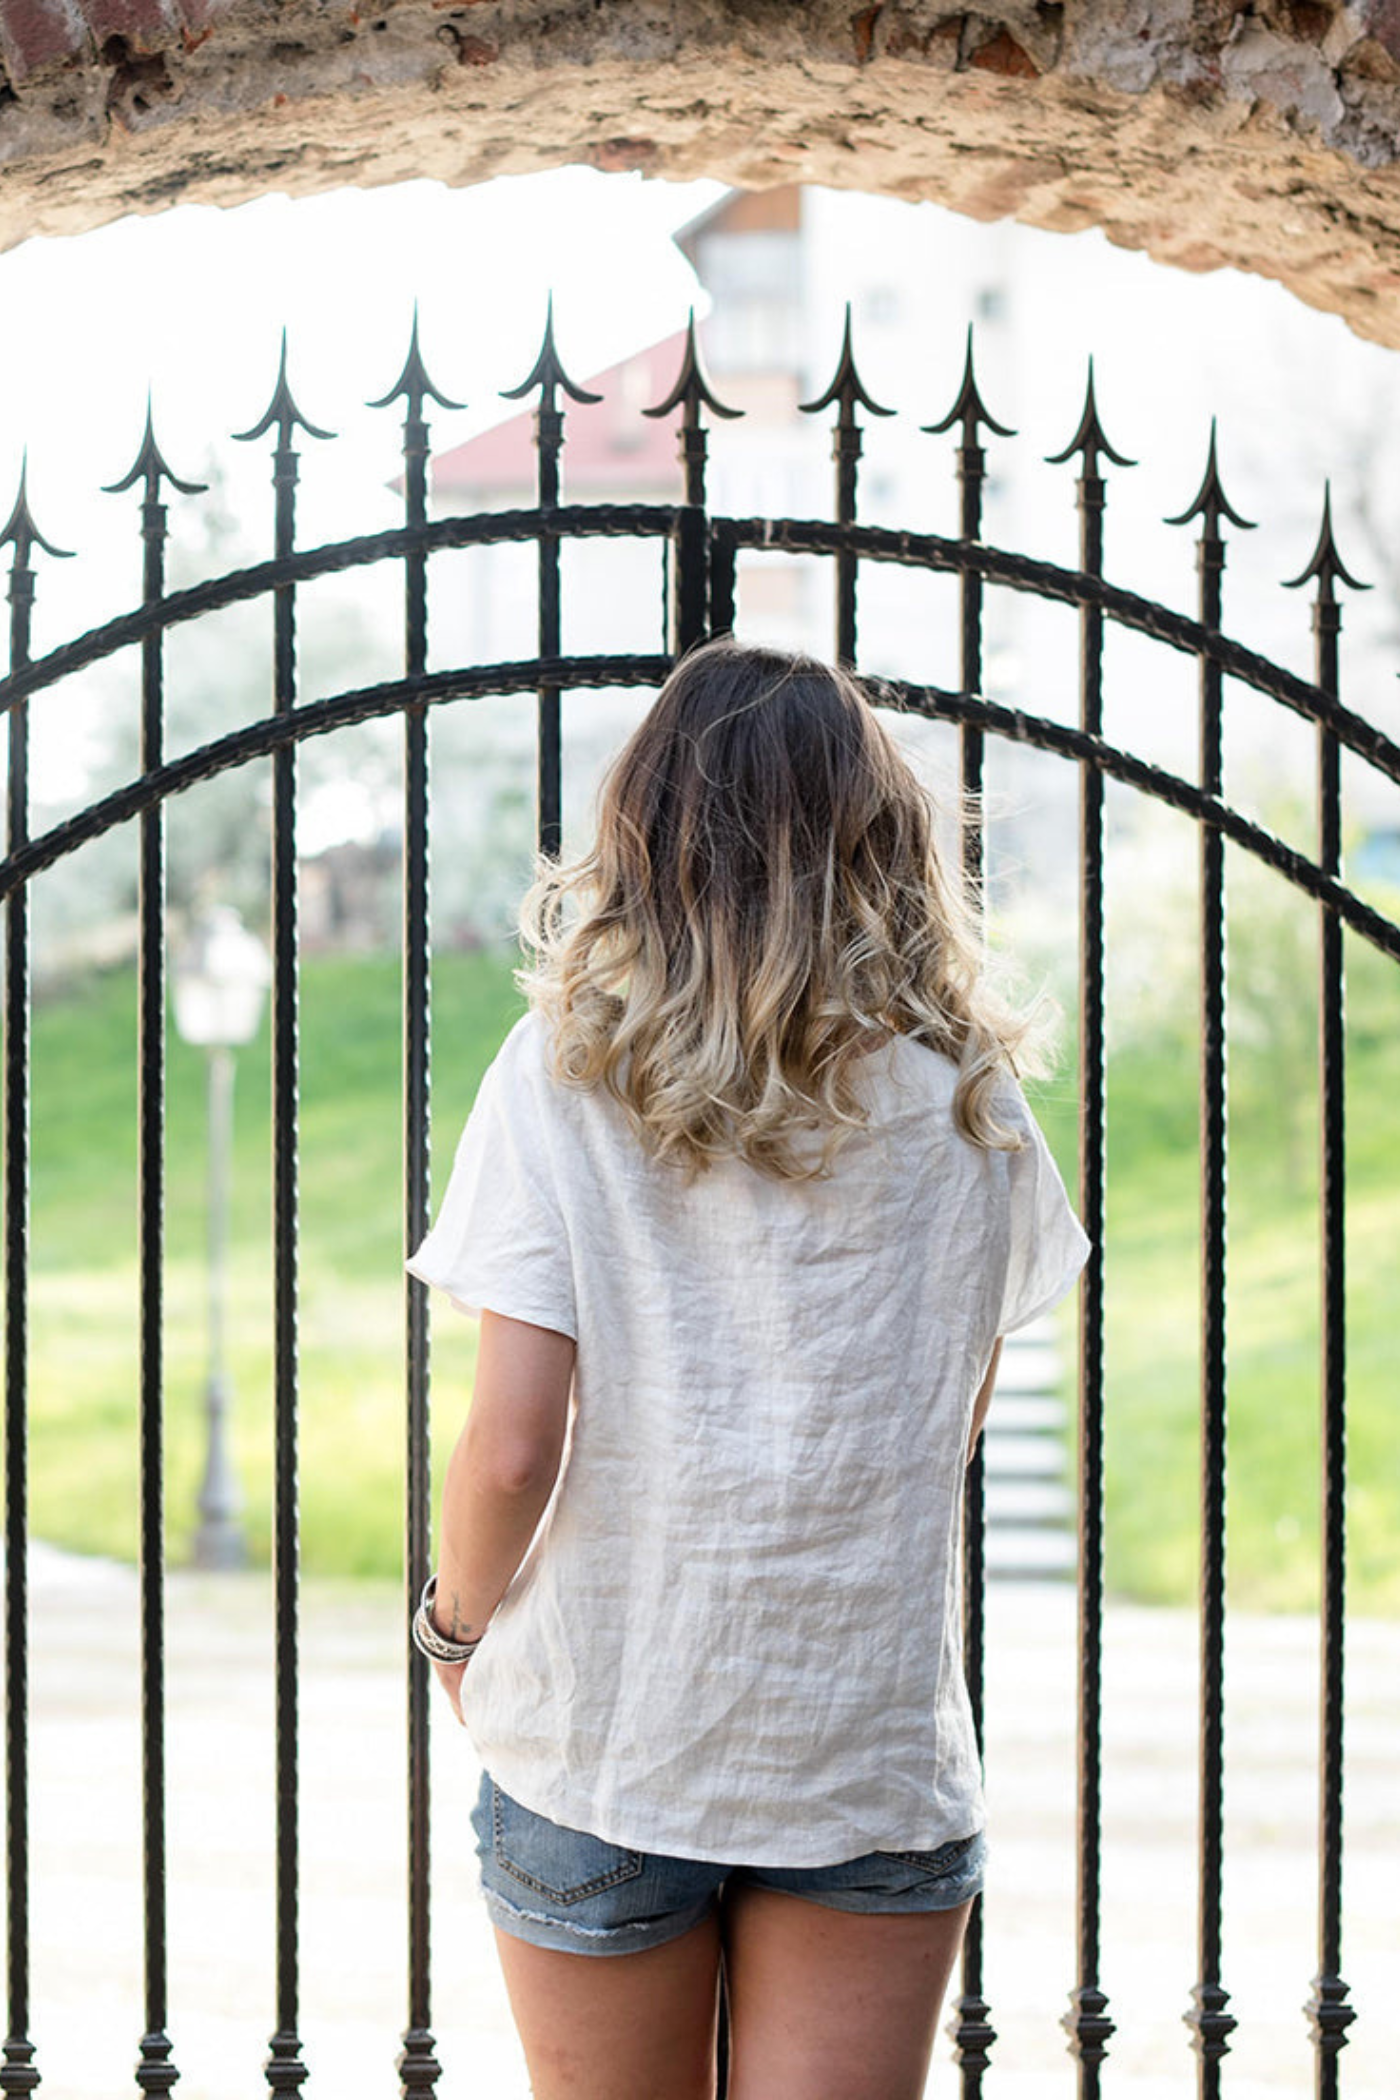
[[431, 1640]]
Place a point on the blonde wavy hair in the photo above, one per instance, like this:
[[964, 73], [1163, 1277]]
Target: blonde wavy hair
[[764, 901]]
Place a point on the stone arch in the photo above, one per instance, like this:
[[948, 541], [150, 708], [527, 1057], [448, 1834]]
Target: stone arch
[[1263, 137]]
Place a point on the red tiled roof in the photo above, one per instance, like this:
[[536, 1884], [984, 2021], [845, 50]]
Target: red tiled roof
[[610, 447]]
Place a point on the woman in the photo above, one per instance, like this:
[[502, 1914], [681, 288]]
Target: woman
[[745, 1203]]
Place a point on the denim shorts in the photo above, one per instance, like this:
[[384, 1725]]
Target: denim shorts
[[567, 1889]]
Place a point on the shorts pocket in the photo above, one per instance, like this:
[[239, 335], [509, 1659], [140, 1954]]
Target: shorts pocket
[[941, 1860], [567, 1866]]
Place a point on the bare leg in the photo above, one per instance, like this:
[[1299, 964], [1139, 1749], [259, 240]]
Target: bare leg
[[617, 2026], [833, 2004]]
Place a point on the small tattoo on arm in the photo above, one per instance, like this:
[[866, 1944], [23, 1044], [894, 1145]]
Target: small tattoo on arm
[[462, 1630]]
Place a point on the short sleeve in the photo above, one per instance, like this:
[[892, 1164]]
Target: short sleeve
[[501, 1242], [1048, 1245]]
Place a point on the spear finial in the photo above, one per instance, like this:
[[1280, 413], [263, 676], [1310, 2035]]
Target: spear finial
[[150, 465], [282, 410], [969, 407], [846, 387], [1326, 563], [413, 382], [1210, 501], [1090, 439], [20, 526], [547, 372], [693, 385]]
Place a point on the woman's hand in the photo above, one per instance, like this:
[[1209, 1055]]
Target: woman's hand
[[449, 1676]]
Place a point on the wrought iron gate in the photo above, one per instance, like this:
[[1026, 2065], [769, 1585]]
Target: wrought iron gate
[[702, 552]]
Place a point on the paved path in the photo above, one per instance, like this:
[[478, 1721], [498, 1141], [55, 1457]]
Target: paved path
[[86, 1916]]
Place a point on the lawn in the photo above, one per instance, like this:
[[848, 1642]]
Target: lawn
[[84, 1475]]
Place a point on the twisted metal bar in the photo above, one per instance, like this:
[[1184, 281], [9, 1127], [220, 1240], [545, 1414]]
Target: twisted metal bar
[[321, 717], [155, 2070], [1329, 2009], [971, 2030], [284, 2069], [1211, 2024], [845, 390], [548, 374], [1087, 2022], [18, 2072], [687, 586], [418, 2067], [621, 521]]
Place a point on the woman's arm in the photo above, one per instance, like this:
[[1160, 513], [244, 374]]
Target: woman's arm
[[984, 1399], [500, 1475]]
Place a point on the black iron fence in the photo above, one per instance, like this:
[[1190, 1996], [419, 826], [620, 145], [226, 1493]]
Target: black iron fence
[[702, 553]]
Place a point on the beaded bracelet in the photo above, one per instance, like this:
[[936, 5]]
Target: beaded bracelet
[[426, 1638]]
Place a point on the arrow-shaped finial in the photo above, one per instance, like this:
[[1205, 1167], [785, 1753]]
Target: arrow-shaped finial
[[282, 410], [413, 382], [969, 407], [1089, 438], [1326, 563], [150, 465], [1210, 501], [693, 386], [547, 372], [847, 386], [20, 526]]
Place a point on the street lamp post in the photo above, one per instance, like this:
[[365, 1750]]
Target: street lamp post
[[219, 977]]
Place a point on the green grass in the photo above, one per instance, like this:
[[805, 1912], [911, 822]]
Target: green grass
[[84, 1342], [85, 1369]]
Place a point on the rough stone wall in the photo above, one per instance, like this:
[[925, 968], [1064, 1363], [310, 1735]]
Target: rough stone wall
[[1266, 137]]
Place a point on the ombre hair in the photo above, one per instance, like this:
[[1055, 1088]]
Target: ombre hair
[[764, 902]]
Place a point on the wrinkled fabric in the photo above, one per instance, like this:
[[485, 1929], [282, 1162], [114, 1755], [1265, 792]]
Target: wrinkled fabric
[[737, 1633]]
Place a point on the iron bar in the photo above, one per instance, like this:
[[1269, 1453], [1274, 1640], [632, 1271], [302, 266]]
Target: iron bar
[[619, 521], [723, 550], [155, 2070], [284, 2069], [321, 717], [548, 374], [1329, 2009], [1087, 2022], [18, 2072], [846, 389], [688, 592], [418, 2066], [972, 2032], [1210, 2022]]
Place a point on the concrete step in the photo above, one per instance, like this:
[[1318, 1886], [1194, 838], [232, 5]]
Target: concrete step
[[1017, 1554], [1031, 1367], [1023, 1457], [1028, 1502], [1026, 1414]]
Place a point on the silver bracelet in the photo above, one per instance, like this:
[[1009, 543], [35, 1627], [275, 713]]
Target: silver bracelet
[[426, 1638]]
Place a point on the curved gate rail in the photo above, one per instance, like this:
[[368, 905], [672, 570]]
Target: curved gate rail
[[701, 554]]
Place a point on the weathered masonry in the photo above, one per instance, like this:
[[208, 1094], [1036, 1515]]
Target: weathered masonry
[[1265, 136]]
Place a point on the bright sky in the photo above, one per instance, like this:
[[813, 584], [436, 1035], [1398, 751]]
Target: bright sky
[[192, 301]]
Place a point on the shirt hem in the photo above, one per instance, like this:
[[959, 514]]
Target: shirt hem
[[504, 1302], [1064, 1283], [758, 1854]]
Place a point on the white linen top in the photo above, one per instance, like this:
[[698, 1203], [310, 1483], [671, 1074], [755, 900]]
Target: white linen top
[[737, 1632]]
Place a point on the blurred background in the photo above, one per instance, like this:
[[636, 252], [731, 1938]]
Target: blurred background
[[190, 304]]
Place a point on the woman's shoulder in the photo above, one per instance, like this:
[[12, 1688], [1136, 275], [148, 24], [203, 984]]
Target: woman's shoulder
[[917, 1065]]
